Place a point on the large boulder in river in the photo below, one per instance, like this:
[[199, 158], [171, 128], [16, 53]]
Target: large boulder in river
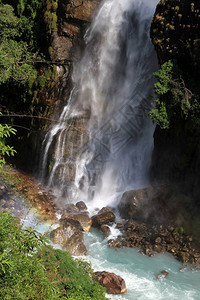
[[84, 220], [70, 237], [153, 204], [105, 216], [113, 283], [132, 200], [70, 208]]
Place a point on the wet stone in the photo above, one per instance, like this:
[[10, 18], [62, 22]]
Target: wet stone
[[84, 220], [81, 206], [162, 274], [113, 283], [105, 229], [101, 218]]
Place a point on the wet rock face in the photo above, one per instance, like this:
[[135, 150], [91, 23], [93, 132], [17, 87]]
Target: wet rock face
[[73, 17], [61, 46], [80, 10], [74, 220], [105, 230], [113, 283]]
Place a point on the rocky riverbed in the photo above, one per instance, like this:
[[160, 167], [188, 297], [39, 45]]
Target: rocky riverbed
[[19, 193]]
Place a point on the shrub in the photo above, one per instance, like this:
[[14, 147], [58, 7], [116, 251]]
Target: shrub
[[73, 277], [29, 269], [22, 276], [175, 99]]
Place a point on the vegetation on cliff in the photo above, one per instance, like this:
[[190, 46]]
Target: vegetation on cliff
[[19, 50], [26, 72], [31, 270], [175, 99], [176, 37]]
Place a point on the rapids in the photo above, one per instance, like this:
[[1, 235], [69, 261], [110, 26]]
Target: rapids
[[140, 272]]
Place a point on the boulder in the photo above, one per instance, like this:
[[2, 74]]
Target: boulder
[[70, 208], [105, 209], [103, 218], [84, 220], [115, 243], [105, 229], [113, 283], [128, 205], [70, 237], [81, 206]]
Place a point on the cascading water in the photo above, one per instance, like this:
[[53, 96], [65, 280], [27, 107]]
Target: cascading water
[[113, 84], [113, 81]]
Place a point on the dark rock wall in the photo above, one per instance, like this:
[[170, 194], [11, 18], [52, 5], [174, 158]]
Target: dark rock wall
[[67, 43], [175, 33]]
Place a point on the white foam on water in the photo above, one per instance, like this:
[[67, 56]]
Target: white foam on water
[[140, 272]]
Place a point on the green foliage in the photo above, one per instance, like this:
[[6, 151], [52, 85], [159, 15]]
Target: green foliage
[[15, 56], [164, 76], [162, 87], [74, 277], [50, 15], [28, 7], [22, 40], [5, 132], [21, 275], [8, 22], [31, 270], [175, 99], [41, 81], [159, 115]]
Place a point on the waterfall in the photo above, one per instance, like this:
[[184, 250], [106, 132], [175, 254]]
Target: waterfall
[[113, 84]]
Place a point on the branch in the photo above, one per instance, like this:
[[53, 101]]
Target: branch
[[28, 116], [17, 126], [48, 62]]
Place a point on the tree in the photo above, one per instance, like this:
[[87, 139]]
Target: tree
[[14, 52]]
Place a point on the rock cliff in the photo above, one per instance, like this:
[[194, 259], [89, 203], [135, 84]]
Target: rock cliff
[[65, 23], [175, 33]]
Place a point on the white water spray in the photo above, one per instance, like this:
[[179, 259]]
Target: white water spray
[[114, 82]]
